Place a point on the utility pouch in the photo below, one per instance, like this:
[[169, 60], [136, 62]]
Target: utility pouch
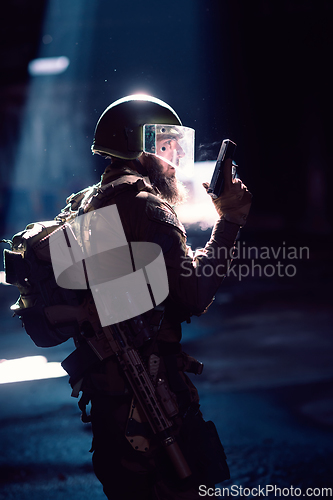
[[187, 363], [79, 362]]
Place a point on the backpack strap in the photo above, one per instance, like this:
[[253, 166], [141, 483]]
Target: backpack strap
[[105, 192], [95, 196], [73, 203]]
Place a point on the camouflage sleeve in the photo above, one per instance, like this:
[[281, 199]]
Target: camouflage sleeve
[[193, 277]]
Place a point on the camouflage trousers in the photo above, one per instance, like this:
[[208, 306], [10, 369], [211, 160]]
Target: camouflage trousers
[[125, 473]]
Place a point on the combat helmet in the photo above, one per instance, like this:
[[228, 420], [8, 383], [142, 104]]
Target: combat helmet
[[133, 124]]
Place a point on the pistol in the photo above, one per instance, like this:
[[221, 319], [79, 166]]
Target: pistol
[[216, 185]]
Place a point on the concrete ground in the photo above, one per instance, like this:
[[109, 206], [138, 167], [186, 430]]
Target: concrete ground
[[267, 347]]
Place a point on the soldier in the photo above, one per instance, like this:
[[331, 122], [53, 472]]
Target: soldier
[[145, 140]]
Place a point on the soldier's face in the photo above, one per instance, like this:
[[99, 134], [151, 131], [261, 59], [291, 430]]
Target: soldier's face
[[168, 148]]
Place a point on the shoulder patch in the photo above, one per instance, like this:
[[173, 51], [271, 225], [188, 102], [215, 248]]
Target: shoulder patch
[[164, 214]]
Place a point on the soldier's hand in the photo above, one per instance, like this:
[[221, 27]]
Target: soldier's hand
[[235, 201]]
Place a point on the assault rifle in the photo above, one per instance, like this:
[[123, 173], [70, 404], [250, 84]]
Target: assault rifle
[[123, 340]]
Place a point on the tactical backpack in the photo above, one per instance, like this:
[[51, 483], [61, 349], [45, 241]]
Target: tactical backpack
[[45, 308]]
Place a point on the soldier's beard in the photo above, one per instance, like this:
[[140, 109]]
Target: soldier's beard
[[172, 190]]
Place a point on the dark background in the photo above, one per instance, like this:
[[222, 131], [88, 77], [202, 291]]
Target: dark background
[[257, 72]]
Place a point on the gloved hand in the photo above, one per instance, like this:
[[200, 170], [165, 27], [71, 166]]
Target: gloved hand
[[235, 201]]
